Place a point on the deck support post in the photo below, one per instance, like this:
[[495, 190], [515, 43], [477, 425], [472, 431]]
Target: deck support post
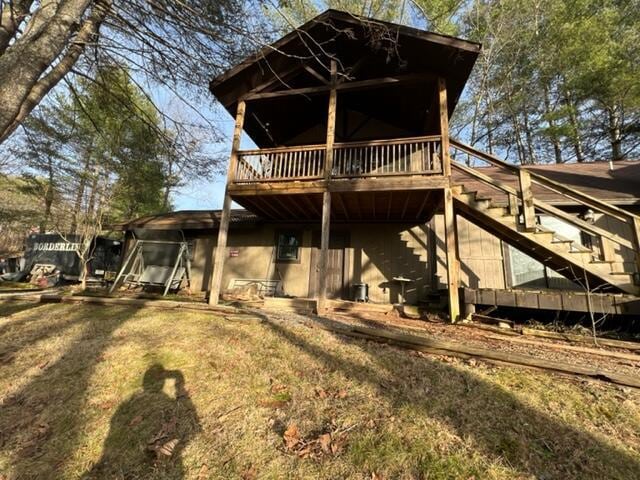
[[324, 248], [223, 229], [451, 240], [453, 266], [326, 196], [444, 126]]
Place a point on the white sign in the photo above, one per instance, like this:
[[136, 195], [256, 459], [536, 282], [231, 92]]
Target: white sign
[[55, 247]]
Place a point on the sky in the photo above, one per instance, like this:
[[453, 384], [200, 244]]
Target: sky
[[208, 194], [205, 194]]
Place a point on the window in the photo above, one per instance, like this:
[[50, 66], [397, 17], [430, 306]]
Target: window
[[288, 247]]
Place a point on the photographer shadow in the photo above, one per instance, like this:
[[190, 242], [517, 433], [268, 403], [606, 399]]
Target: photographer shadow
[[149, 431]]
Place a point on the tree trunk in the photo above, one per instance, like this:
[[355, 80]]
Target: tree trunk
[[615, 133], [557, 150], [529, 138], [92, 196], [575, 126], [48, 197], [165, 198], [82, 185], [48, 202], [27, 73]]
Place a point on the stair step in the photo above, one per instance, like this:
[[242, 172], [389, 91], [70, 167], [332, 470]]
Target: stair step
[[497, 212], [562, 240], [621, 273], [576, 247]]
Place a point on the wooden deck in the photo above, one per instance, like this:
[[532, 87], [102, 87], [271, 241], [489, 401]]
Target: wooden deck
[[403, 157], [382, 180], [558, 300]]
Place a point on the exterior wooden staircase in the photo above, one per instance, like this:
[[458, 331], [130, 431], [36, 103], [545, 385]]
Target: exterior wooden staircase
[[515, 219]]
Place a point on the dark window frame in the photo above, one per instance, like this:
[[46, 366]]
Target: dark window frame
[[295, 233]]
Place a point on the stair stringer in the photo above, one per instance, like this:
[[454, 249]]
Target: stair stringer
[[565, 263]]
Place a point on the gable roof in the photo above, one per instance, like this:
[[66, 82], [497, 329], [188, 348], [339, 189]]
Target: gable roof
[[188, 220], [366, 49]]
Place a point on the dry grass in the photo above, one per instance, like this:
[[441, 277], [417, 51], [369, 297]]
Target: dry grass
[[102, 392]]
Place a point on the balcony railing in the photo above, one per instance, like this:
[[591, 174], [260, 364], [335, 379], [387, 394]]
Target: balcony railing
[[406, 156]]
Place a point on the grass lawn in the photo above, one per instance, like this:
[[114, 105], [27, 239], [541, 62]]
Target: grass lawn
[[119, 392]]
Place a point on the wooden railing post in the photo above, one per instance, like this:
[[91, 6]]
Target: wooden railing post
[[444, 126], [219, 255], [635, 230], [526, 195], [453, 266], [326, 197]]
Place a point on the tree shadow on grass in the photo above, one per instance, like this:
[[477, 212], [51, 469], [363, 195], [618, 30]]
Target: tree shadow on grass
[[11, 308], [498, 423], [36, 326], [41, 422]]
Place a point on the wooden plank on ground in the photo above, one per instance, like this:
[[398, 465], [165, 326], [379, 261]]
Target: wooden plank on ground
[[558, 346], [572, 337], [440, 347]]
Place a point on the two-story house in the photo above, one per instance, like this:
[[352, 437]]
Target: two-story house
[[354, 179]]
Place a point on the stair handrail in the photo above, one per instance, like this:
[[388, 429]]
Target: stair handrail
[[529, 202], [558, 187], [544, 206]]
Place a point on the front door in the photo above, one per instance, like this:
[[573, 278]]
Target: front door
[[336, 288]]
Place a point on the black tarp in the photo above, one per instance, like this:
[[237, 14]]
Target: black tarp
[[61, 251]]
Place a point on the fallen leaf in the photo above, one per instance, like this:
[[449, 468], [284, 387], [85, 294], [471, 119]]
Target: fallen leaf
[[203, 474], [278, 387], [291, 436], [43, 429], [272, 403], [135, 420], [304, 452], [342, 393], [249, 474], [321, 392], [167, 448], [325, 442]]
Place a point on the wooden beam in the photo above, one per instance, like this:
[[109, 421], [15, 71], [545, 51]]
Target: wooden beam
[[406, 204], [441, 347], [389, 206], [278, 188], [427, 195], [284, 207], [324, 247], [309, 203], [331, 121], [220, 253], [344, 86], [526, 195], [373, 204], [444, 126], [326, 196], [281, 78], [635, 229], [453, 266], [356, 201], [260, 207], [338, 198], [315, 74]]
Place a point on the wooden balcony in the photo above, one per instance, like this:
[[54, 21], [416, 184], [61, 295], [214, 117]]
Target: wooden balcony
[[382, 165]]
